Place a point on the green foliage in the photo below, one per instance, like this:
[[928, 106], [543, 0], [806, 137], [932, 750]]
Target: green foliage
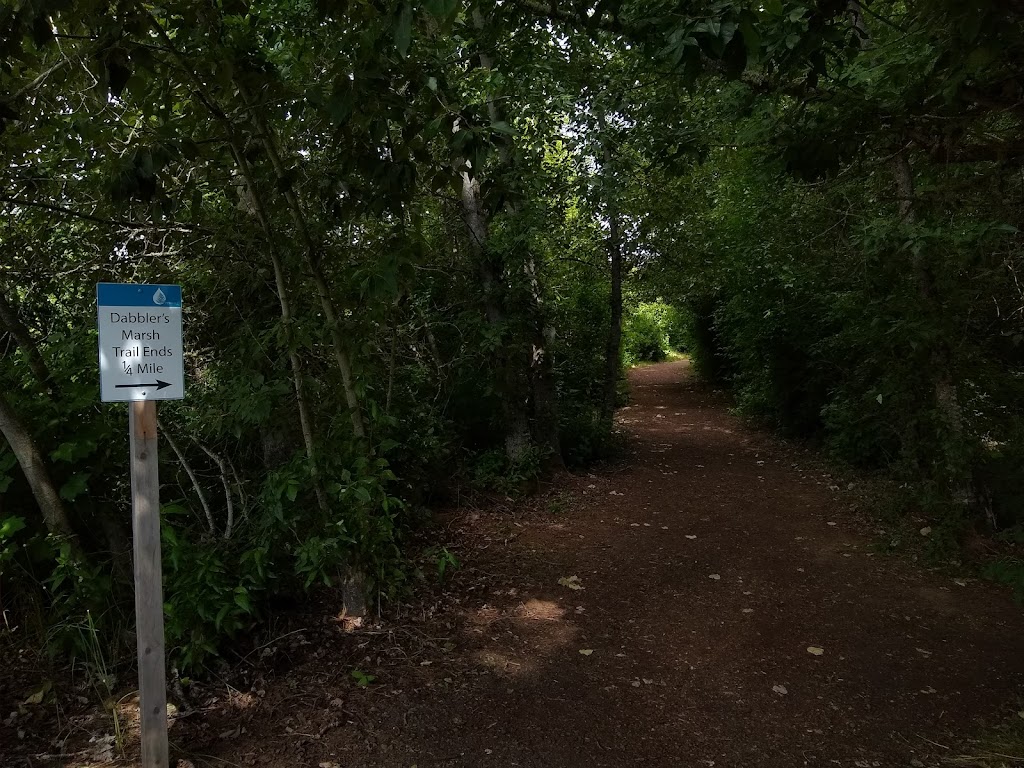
[[494, 471], [643, 339], [848, 343], [652, 331], [444, 561], [362, 678]]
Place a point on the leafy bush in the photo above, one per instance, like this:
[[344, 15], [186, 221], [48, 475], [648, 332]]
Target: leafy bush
[[836, 344], [494, 471], [650, 332]]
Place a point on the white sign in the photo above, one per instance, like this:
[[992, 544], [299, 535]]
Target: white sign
[[140, 342]]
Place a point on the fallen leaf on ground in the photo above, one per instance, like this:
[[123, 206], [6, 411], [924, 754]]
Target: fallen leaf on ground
[[586, 651], [815, 650], [38, 696], [572, 582]]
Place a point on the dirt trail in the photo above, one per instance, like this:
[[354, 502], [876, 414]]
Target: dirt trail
[[709, 563]]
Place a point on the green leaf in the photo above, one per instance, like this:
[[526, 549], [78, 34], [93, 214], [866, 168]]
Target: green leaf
[[242, 600], [75, 486], [11, 525], [403, 30]]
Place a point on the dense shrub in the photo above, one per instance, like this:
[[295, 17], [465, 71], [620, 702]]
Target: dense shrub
[[651, 331], [837, 344]]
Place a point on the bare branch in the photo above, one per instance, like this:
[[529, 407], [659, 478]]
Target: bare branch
[[191, 476]]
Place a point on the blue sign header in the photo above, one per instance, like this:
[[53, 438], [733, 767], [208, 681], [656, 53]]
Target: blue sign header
[[132, 295]]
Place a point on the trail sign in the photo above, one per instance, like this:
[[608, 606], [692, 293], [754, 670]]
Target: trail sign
[[141, 361], [140, 342]]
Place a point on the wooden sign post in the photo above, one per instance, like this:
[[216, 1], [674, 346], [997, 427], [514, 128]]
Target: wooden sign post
[[141, 362], [149, 592]]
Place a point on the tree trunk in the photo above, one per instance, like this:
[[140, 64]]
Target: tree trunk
[[305, 420], [613, 347], [542, 376], [109, 526], [34, 467], [10, 322], [947, 401], [515, 418], [520, 375]]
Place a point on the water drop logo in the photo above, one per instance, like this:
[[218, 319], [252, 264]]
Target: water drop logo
[[159, 297]]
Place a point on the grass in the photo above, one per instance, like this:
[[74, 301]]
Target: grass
[[1002, 747]]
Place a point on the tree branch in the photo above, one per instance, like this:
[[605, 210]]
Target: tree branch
[[177, 227]]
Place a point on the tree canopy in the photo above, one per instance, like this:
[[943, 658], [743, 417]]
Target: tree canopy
[[417, 240]]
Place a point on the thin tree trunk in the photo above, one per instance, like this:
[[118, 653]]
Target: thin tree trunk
[[315, 264], [946, 399], [613, 349], [305, 420], [32, 464], [11, 323], [192, 477], [542, 377], [229, 502], [613, 346]]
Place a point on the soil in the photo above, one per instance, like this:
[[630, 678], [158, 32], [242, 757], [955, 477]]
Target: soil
[[711, 600]]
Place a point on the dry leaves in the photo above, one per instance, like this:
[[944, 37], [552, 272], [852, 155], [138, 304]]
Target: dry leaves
[[572, 582]]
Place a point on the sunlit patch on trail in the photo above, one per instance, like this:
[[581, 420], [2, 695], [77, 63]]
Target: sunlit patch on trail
[[541, 610]]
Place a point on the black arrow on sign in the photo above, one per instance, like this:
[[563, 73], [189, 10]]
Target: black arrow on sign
[[159, 385]]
